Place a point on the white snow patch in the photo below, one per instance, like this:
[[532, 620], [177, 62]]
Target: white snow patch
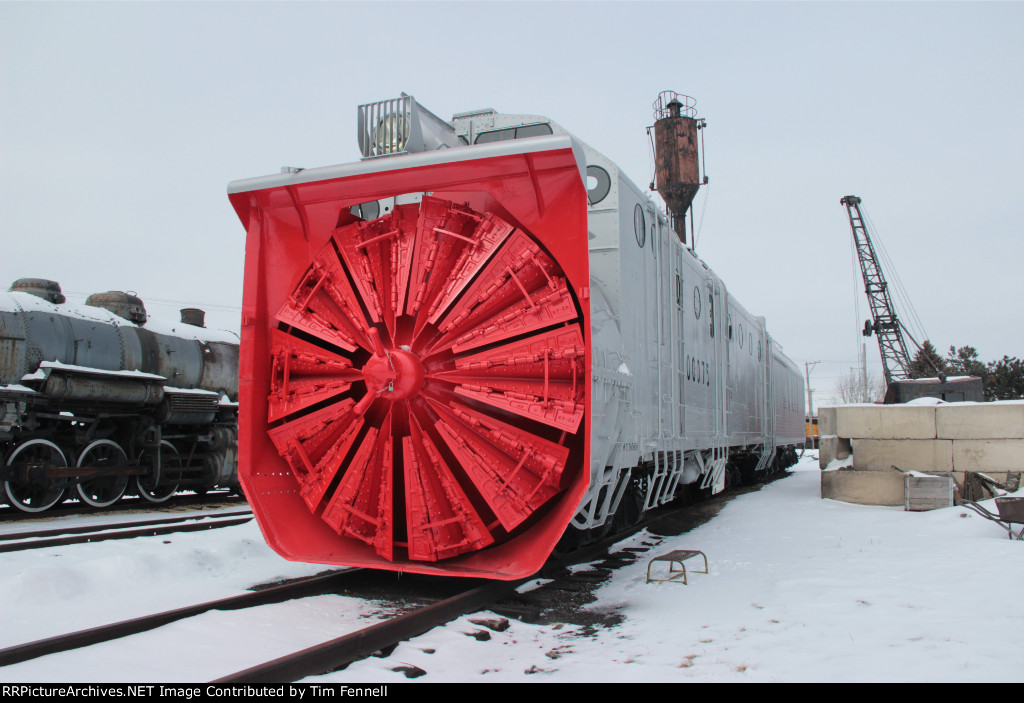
[[926, 401], [800, 589], [837, 464], [60, 366], [532, 585], [191, 391], [16, 388]]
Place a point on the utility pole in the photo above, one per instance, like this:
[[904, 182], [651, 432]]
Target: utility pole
[[808, 365], [864, 397]]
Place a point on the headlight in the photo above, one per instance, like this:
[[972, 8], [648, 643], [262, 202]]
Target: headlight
[[392, 134], [399, 126]]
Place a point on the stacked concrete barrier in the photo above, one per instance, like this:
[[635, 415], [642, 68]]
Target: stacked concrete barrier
[[859, 445]]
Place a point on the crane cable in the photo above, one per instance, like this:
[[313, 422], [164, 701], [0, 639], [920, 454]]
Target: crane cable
[[904, 302]]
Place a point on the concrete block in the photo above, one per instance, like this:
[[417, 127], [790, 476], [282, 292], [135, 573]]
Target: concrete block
[[826, 421], [981, 421], [988, 455], [886, 421], [863, 487], [929, 456], [830, 448]]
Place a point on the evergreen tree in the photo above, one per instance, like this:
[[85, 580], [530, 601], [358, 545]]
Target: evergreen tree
[[965, 362], [927, 363], [1005, 379]]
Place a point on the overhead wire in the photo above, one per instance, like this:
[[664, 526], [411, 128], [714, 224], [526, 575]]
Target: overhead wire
[[170, 301]]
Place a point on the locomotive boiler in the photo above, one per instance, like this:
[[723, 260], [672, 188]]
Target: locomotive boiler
[[100, 399], [483, 338]]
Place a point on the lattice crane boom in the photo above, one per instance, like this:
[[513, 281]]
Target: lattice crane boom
[[884, 323]]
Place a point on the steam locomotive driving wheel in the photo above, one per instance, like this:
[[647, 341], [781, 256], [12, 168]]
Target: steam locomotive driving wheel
[[108, 485], [27, 488], [161, 479]]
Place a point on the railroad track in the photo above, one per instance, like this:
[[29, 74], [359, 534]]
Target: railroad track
[[322, 658], [424, 602], [342, 651], [299, 588], [427, 602], [337, 653], [80, 534], [74, 508], [558, 591]]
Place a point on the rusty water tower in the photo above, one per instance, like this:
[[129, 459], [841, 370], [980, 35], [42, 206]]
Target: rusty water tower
[[677, 155]]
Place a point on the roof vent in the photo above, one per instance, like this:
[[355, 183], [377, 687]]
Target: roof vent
[[194, 317], [39, 287], [126, 305]]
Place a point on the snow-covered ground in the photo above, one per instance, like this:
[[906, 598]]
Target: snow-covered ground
[[800, 589]]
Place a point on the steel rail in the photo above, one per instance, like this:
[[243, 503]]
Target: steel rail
[[126, 504], [314, 585], [342, 651], [109, 532], [82, 529]]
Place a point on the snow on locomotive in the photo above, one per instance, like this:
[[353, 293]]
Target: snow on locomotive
[[483, 336], [99, 399]]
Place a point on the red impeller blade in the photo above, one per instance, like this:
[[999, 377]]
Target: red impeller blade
[[303, 374], [519, 291], [362, 505], [441, 519], [515, 471], [315, 445], [540, 378], [325, 306], [452, 244], [379, 255]]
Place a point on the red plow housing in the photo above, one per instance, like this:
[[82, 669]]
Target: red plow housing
[[414, 389]]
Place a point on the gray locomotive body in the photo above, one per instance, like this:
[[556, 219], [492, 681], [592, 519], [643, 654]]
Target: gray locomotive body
[[688, 387], [97, 400]]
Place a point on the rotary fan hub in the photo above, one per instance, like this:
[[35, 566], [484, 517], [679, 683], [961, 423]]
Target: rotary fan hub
[[395, 375]]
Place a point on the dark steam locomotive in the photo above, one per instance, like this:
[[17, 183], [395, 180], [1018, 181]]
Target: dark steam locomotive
[[97, 400]]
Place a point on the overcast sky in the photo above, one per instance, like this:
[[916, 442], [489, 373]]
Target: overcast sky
[[122, 123]]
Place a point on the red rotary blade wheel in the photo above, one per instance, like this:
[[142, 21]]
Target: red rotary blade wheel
[[427, 375]]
